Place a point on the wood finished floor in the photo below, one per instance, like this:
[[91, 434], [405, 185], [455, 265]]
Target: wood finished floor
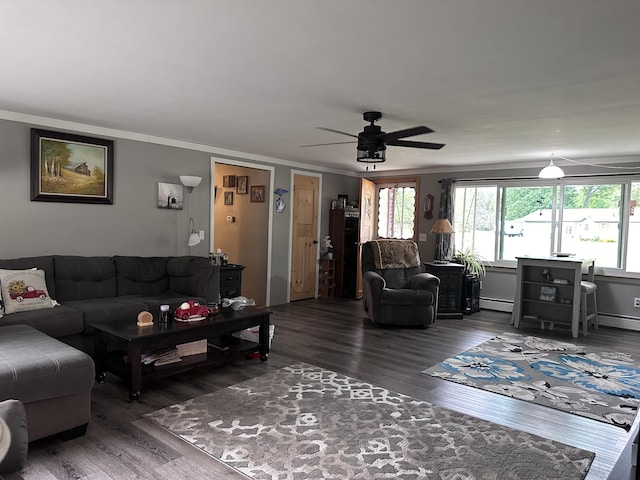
[[333, 334]]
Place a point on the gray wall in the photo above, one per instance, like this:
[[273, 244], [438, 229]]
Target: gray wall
[[133, 225]]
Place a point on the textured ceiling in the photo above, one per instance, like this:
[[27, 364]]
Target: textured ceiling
[[500, 81]]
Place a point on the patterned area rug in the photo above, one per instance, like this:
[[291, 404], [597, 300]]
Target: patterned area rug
[[603, 386], [304, 422]]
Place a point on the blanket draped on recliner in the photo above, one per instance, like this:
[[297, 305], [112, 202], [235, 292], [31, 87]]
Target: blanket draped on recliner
[[395, 254]]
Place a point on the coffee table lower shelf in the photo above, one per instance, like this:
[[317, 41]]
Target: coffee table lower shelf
[[228, 351]]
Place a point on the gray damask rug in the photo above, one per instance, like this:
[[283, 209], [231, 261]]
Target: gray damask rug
[[305, 422], [603, 386]]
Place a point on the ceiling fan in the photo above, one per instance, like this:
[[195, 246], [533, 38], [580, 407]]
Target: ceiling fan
[[372, 141]]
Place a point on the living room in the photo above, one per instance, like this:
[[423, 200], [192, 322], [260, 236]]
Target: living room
[[244, 115]]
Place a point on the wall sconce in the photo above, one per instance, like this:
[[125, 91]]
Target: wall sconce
[[191, 182]]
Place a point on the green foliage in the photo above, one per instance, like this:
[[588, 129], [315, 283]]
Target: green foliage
[[521, 201], [473, 262]]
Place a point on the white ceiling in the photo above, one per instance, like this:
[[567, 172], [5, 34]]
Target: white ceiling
[[500, 81]]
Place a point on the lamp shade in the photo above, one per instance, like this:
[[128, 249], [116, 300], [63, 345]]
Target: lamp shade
[[194, 239], [190, 180], [551, 171], [443, 226]]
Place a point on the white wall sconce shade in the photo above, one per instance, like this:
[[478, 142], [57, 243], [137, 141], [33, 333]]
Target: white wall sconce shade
[[190, 181]]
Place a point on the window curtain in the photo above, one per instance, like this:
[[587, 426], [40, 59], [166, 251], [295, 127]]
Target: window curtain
[[444, 241]]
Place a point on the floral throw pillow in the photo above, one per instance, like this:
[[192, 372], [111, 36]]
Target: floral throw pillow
[[24, 290]]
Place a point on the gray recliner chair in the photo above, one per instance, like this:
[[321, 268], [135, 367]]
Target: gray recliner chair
[[396, 291]]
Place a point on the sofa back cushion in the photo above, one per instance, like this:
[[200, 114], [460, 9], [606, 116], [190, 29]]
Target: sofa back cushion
[[194, 276], [44, 263], [79, 278], [141, 275]]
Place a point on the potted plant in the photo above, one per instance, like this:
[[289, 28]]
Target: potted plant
[[473, 262], [474, 269]]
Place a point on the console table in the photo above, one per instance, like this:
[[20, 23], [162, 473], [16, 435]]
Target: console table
[[548, 290], [450, 292]]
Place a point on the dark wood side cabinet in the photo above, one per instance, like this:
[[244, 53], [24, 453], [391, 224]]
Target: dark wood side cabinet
[[344, 225], [231, 280], [450, 294]]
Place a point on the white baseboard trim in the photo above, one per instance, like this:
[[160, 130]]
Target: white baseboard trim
[[496, 304], [628, 323], [615, 321]]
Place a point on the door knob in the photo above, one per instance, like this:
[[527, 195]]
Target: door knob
[[315, 242]]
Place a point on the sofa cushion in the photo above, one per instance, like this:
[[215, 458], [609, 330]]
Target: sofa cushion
[[34, 366], [56, 322], [13, 413], [99, 310], [189, 275], [80, 278], [24, 290], [141, 275], [170, 298], [41, 263]]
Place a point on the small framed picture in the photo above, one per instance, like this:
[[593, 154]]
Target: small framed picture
[[229, 181], [257, 193], [170, 196], [228, 198], [242, 184]]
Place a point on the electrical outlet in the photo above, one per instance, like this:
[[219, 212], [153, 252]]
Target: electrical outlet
[[636, 302], [422, 237]]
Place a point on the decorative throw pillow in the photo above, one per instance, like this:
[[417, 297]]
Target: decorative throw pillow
[[24, 290]]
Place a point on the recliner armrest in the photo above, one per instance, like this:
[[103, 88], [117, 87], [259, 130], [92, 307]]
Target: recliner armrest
[[375, 282], [424, 281]]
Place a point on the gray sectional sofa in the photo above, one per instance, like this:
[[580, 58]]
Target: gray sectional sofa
[[39, 365], [102, 289]]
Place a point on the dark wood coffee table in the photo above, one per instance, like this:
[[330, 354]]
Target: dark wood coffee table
[[119, 345]]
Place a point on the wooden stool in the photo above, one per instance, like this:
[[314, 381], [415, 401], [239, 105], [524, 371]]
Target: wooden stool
[[588, 289]]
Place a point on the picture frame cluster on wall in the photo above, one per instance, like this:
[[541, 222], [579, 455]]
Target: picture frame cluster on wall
[[241, 185]]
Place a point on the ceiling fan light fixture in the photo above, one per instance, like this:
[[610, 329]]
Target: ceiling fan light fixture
[[371, 155], [551, 171]]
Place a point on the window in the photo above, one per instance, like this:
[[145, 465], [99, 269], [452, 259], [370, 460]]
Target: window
[[475, 219], [507, 219], [396, 210]]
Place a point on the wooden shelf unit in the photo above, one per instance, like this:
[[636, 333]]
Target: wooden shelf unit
[[540, 298]]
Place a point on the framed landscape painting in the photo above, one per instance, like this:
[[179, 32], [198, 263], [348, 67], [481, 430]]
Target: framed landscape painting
[[71, 168]]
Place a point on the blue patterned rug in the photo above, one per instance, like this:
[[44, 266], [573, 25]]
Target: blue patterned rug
[[603, 386], [305, 422]]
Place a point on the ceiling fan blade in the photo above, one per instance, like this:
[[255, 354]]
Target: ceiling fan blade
[[409, 143], [338, 131], [322, 144], [407, 132]]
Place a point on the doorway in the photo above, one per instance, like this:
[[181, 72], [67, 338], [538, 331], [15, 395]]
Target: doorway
[[305, 233], [241, 222]]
